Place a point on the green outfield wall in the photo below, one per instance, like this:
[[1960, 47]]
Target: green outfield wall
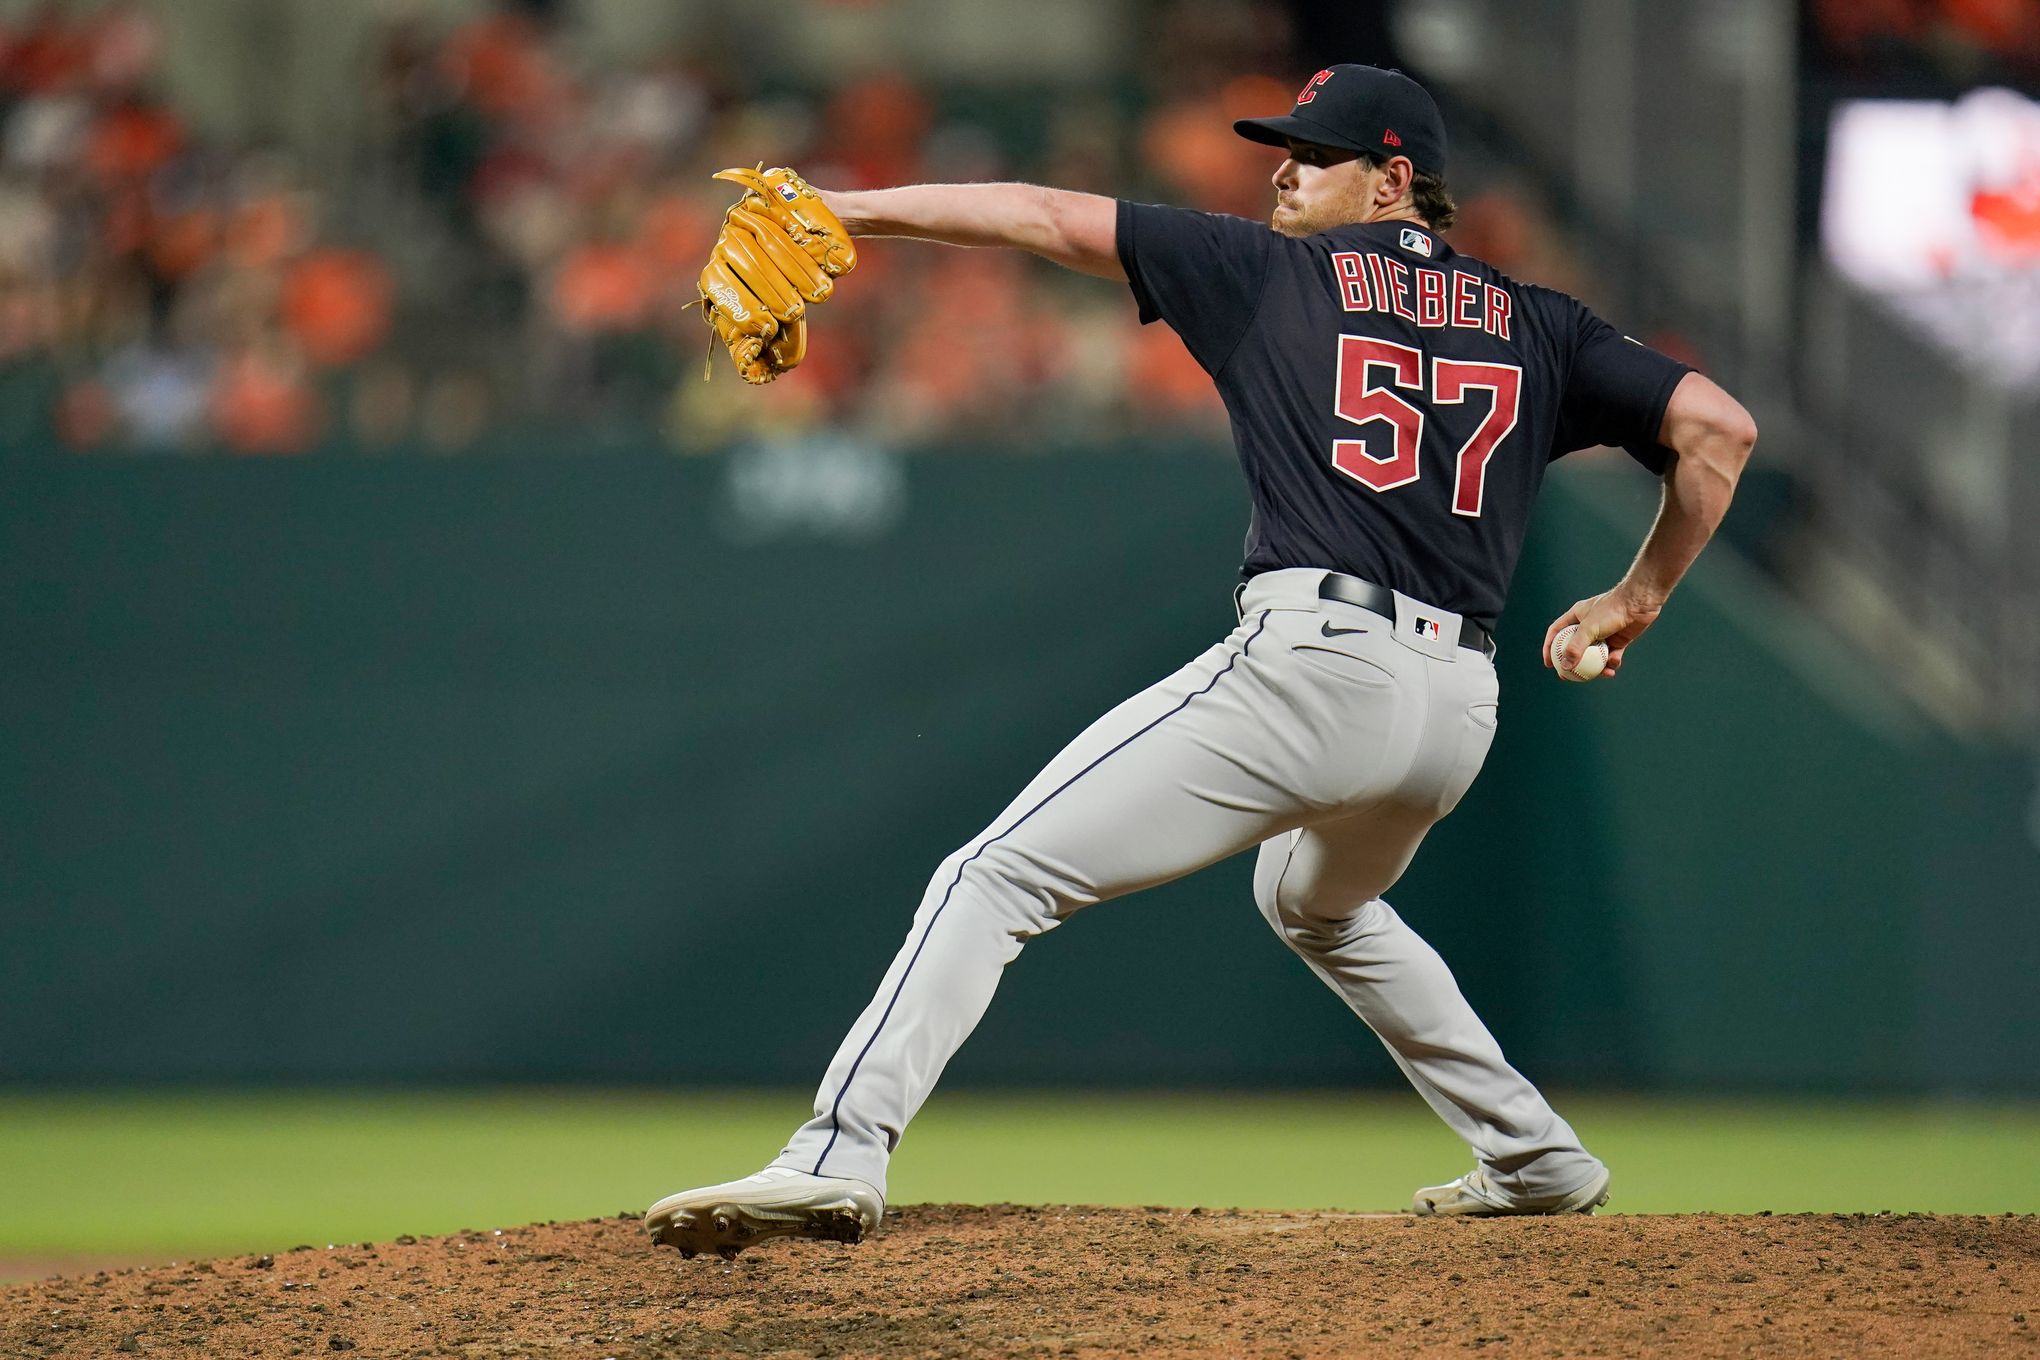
[[625, 768]]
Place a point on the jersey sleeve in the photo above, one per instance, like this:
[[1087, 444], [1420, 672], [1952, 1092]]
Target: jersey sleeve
[[1203, 273], [1616, 393]]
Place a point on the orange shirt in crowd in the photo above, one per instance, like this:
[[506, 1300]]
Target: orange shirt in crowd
[[262, 404], [47, 56], [337, 304], [1163, 380], [2008, 27], [676, 233], [503, 67], [132, 141], [1193, 144], [182, 244], [601, 286], [265, 229], [876, 128]]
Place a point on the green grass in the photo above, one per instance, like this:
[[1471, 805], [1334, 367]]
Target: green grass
[[175, 1175]]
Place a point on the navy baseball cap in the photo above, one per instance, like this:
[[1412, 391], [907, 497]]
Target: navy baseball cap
[[1360, 108]]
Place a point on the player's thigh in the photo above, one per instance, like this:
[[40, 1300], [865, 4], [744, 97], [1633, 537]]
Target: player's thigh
[[1177, 777]]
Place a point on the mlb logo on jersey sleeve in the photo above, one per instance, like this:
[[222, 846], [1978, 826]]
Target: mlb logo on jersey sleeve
[[1413, 239]]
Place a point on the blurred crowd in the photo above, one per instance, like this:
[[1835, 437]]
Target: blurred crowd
[[509, 257], [1964, 40], [180, 291]]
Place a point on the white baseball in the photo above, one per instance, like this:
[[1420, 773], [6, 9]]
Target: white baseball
[[1590, 665]]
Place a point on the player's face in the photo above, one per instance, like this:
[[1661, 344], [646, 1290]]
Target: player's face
[[1320, 187]]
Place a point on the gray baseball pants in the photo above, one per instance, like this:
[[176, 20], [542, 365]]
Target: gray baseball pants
[[1320, 731]]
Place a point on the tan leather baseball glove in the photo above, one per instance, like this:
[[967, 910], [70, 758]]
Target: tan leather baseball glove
[[780, 251]]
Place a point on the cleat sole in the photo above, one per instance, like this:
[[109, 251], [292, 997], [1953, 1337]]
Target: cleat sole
[[729, 1228]]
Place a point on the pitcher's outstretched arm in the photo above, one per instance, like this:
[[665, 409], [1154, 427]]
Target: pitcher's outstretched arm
[[1075, 230]]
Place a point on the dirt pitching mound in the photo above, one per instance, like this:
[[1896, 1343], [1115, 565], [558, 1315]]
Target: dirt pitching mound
[[949, 1280]]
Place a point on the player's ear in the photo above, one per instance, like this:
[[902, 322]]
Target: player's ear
[[1398, 179]]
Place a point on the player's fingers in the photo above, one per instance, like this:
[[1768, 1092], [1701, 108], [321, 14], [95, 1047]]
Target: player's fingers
[[1558, 625], [1579, 619], [1601, 620]]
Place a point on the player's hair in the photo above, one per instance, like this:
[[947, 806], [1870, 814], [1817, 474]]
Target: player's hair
[[1428, 194]]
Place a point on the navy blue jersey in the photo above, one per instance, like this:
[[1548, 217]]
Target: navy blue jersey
[[1394, 402]]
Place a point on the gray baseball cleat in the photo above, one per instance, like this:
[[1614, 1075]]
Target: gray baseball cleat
[[777, 1202], [1471, 1196]]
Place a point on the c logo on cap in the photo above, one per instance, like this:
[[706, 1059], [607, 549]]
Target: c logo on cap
[[1309, 90]]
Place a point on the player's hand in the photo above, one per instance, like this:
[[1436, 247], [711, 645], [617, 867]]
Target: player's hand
[[1617, 617], [780, 251]]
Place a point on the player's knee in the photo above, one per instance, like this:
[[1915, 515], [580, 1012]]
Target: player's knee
[[1004, 885], [1027, 890], [1317, 929], [1295, 929], [1309, 936]]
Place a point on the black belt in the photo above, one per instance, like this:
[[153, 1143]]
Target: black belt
[[1380, 600]]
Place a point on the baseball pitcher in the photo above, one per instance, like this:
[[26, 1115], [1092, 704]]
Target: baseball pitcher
[[1395, 404]]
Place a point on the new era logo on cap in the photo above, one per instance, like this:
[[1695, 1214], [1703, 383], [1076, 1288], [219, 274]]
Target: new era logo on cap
[[1390, 138], [1412, 239]]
